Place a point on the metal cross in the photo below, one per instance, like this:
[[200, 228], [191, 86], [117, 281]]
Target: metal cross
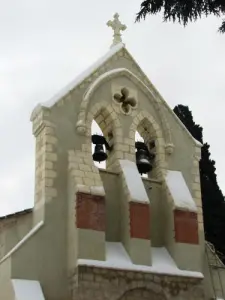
[[116, 26]]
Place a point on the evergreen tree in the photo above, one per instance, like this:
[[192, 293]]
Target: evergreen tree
[[213, 203], [183, 11]]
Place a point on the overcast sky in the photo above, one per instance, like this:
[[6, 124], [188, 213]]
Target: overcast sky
[[44, 44]]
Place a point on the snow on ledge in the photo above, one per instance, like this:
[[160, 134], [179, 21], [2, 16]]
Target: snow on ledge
[[179, 191], [83, 75], [27, 289], [24, 239], [117, 258], [134, 181]]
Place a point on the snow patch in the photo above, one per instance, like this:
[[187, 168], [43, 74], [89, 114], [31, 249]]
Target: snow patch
[[27, 290], [101, 77], [134, 181], [83, 75], [117, 258], [98, 190], [198, 143], [179, 191]]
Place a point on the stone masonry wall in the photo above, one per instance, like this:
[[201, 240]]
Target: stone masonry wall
[[12, 229], [45, 161], [107, 284]]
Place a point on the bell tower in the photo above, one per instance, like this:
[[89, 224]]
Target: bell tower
[[122, 235]]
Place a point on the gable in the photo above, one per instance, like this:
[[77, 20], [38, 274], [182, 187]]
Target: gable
[[117, 57]]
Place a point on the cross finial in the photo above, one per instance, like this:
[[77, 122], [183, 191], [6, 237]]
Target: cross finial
[[117, 26]]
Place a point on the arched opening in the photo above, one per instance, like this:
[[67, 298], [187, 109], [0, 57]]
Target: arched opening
[[100, 122], [95, 129], [142, 293]]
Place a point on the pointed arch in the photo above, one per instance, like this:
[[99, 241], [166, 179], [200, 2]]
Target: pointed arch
[[109, 124], [103, 113], [148, 128], [108, 76]]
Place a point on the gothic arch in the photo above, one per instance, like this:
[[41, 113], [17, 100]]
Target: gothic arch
[[81, 127], [146, 125], [102, 112], [109, 124]]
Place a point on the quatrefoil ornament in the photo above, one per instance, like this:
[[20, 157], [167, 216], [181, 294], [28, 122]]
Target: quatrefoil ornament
[[126, 102]]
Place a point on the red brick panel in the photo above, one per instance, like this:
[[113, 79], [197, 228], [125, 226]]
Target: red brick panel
[[186, 227], [90, 212], [139, 220]]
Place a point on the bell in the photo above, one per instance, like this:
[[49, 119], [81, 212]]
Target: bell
[[99, 154], [143, 161], [143, 158]]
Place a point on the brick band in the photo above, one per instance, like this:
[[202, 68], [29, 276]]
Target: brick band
[[186, 227], [90, 211], [139, 220]]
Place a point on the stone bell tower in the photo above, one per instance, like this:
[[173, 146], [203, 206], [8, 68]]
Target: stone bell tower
[[112, 234], [122, 234]]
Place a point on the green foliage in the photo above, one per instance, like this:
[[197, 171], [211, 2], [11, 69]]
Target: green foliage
[[183, 11], [213, 203]]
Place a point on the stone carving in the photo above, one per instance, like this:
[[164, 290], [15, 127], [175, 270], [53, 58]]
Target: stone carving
[[116, 26], [126, 102], [81, 127], [169, 148]]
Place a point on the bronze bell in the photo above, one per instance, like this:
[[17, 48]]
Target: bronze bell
[[99, 154], [143, 158]]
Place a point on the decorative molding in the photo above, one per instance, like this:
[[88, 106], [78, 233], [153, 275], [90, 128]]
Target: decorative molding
[[169, 148], [138, 82], [125, 98], [123, 52], [81, 128]]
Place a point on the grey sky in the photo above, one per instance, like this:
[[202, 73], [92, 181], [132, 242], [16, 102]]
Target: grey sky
[[45, 44]]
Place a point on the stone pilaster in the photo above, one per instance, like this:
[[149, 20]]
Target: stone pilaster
[[181, 232], [89, 205], [45, 161], [196, 186], [135, 224]]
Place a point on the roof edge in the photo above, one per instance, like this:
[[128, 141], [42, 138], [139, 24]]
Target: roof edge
[[16, 214], [80, 78], [84, 75], [156, 93]]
